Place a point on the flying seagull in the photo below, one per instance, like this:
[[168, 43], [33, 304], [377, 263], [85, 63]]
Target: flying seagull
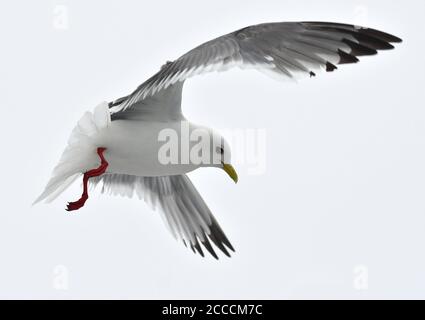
[[119, 143]]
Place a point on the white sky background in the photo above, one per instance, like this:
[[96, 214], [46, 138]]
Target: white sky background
[[342, 197]]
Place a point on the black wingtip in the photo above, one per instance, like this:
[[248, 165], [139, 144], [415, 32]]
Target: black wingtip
[[330, 67], [396, 40], [217, 237], [345, 57], [344, 27], [358, 49], [381, 35], [368, 37], [198, 248], [209, 247], [216, 231]]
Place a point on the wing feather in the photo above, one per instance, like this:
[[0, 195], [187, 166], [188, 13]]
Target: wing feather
[[183, 210], [286, 49]]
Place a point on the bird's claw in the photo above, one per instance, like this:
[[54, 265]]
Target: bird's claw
[[75, 205]]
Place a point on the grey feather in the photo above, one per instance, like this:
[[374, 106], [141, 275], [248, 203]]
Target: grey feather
[[184, 211], [287, 49]]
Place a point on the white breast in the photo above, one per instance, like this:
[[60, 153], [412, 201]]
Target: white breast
[[133, 148]]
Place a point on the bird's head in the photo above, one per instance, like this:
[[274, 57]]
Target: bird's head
[[221, 155]]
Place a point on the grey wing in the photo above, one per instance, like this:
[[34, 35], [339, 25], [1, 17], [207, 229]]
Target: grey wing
[[165, 105], [286, 49], [183, 209]]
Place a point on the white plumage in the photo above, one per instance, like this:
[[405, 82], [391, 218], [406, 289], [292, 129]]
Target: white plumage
[[117, 145]]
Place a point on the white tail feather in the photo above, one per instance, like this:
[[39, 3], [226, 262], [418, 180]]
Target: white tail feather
[[79, 153]]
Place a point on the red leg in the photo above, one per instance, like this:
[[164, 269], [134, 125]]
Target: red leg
[[89, 174]]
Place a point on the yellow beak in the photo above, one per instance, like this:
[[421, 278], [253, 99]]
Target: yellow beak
[[230, 171]]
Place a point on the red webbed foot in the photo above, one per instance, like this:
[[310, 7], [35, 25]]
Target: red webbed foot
[[89, 174]]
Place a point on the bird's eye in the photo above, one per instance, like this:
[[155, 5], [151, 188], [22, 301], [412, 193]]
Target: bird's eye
[[220, 150]]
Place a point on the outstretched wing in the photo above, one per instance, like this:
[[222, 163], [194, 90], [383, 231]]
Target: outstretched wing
[[184, 210], [287, 49], [165, 105]]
